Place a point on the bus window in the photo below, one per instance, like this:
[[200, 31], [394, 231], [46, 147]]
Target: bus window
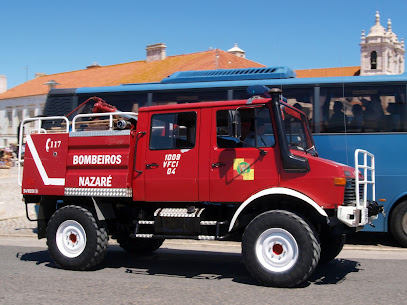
[[123, 102], [302, 99], [185, 96], [363, 109]]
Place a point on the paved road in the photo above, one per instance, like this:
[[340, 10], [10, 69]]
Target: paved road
[[370, 269], [184, 272]]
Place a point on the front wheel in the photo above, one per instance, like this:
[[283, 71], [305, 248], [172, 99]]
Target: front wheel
[[76, 241], [331, 246], [398, 223], [280, 249]]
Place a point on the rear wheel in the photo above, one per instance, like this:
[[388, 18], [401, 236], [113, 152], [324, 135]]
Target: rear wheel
[[75, 240], [280, 249], [138, 245], [398, 223]]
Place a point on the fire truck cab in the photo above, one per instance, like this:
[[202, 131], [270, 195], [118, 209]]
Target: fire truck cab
[[243, 170]]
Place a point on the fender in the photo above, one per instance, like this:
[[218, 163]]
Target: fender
[[276, 191], [103, 210]]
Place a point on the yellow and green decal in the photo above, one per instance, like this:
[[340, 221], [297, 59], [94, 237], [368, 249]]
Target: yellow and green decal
[[244, 168]]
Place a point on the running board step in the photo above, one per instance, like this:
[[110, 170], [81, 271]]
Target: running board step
[[202, 223], [199, 237], [183, 222]]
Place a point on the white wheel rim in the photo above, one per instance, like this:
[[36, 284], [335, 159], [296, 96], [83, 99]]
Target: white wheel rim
[[277, 250], [404, 223], [71, 238]]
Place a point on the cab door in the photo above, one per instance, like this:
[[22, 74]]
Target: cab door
[[240, 169], [171, 174]]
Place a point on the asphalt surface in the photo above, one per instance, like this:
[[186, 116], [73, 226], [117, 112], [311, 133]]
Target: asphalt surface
[[14, 224]]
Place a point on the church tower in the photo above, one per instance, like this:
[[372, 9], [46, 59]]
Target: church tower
[[381, 51], [237, 51]]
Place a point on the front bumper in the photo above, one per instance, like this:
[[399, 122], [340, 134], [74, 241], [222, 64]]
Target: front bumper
[[358, 217], [357, 211]]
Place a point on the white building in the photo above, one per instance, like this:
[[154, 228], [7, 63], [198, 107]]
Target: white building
[[14, 111], [3, 83], [381, 51]]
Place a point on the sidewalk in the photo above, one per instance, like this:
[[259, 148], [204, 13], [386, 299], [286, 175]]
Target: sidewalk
[[13, 220]]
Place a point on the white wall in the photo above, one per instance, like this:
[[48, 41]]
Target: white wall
[[11, 108], [3, 83]]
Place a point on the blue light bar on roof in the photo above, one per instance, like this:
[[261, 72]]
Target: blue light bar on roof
[[230, 75], [258, 90]]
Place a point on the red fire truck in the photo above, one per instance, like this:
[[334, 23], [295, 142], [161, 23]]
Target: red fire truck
[[244, 170]]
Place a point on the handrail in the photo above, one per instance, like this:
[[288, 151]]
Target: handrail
[[367, 170], [131, 115]]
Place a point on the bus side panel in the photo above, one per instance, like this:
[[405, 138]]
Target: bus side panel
[[391, 170]]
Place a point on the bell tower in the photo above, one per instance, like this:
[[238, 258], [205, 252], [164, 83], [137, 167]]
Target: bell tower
[[381, 51]]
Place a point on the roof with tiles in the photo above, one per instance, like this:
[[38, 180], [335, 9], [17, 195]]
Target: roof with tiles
[[329, 72], [132, 72], [154, 71]]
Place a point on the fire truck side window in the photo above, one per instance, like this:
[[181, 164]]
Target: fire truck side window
[[224, 134], [256, 128], [173, 131]]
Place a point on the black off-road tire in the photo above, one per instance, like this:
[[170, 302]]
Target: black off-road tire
[[76, 241], [138, 245], [398, 223], [280, 249], [331, 246]]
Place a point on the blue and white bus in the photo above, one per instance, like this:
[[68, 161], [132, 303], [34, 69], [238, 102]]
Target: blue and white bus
[[345, 113]]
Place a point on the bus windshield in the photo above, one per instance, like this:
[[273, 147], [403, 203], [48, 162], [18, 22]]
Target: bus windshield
[[296, 129]]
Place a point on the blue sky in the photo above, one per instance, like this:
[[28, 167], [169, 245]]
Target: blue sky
[[59, 36]]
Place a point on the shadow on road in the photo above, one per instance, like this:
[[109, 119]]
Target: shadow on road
[[372, 238], [194, 264], [334, 272]]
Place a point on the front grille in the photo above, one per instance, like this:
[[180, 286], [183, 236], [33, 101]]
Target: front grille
[[350, 192]]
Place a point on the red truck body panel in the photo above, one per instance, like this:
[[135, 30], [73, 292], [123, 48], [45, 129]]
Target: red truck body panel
[[121, 164], [45, 164]]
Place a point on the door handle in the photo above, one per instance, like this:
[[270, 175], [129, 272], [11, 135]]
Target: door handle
[[152, 165], [217, 165]]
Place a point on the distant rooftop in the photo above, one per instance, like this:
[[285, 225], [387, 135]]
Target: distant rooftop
[[132, 72]]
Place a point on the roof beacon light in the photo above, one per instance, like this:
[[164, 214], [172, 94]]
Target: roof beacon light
[[258, 90]]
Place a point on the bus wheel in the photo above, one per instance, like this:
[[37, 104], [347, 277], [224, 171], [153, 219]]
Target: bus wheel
[[280, 249], [75, 239], [398, 223]]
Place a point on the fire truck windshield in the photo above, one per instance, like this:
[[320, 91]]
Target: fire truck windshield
[[297, 131]]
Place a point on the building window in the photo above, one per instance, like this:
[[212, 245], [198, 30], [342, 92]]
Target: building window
[[10, 118], [31, 114], [19, 116], [373, 60]]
